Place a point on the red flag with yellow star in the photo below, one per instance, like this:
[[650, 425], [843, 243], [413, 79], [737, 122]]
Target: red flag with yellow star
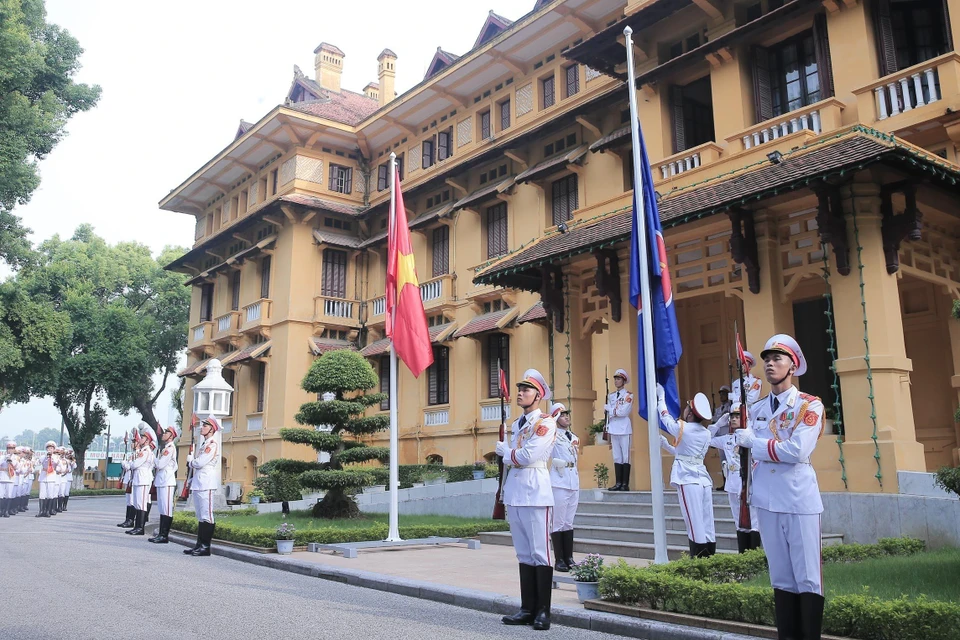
[[406, 322]]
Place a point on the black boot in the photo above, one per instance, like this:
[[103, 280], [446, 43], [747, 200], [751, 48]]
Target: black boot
[[811, 616], [159, 533], [138, 529], [66, 499], [146, 517], [618, 473], [558, 552], [625, 470], [701, 550], [196, 545], [163, 537], [39, 509], [128, 521], [528, 597], [786, 607], [711, 548], [568, 548], [52, 507], [693, 548], [755, 542], [3, 507], [204, 549], [743, 541], [544, 594], [25, 503]]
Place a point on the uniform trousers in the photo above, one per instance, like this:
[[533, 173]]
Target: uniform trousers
[[66, 485], [734, 499], [130, 499], [530, 529], [48, 490], [141, 496], [61, 489], [565, 503], [203, 505], [165, 500], [621, 448], [6, 490], [696, 505], [792, 544]]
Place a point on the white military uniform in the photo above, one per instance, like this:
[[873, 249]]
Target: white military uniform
[[206, 477], [619, 407], [49, 464], [565, 479], [734, 484], [166, 478], [9, 461], [142, 469], [785, 492], [753, 384], [527, 490], [689, 475]]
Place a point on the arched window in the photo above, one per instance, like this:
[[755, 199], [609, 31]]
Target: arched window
[[435, 459]]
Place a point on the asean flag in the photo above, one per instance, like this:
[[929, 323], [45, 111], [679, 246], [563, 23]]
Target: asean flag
[[406, 322]]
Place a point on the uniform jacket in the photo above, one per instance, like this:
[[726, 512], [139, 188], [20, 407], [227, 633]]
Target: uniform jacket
[[206, 466], [619, 407], [166, 466], [753, 389], [48, 468], [731, 453], [691, 446], [8, 468], [531, 448], [563, 470], [142, 467], [784, 480]]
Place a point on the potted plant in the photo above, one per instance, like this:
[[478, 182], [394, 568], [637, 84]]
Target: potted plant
[[596, 429], [601, 473], [434, 477], [255, 496], [586, 575], [479, 470], [285, 535]]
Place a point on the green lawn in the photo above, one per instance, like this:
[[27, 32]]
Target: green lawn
[[304, 520], [933, 574]]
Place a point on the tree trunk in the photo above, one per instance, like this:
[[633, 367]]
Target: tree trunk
[[336, 504], [145, 409]]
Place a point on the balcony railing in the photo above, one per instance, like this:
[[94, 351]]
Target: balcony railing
[[198, 332], [338, 310], [436, 418], [255, 422], [815, 118], [910, 88], [688, 160], [490, 411], [257, 313], [227, 324], [436, 290], [379, 306], [200, 335]]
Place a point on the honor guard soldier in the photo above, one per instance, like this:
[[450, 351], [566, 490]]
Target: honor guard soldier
[[71, 464], [25, 472], [565, 480], [619, 426], [126, 479], [166, 483], [528, 495], [752, 383], [689, 475], [785, 426], [142, 468], [746, 538], [48, 480], [206, 481], [8, 479], [724, 407]]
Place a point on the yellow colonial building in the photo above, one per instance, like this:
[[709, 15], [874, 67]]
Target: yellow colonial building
[[806, 157]]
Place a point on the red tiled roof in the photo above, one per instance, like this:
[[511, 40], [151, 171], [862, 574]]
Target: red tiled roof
[[253, 351], [194, 369], [620, 135], [377, 348], [437, 331], [323, 236], [320, 203], [320, 346], [550, 164], [534, 313], [482, 323], [346, 106]]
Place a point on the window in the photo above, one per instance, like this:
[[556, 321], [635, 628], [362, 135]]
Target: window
[[385, 382], [334, 276], [261, 385], [692, 108], [230, 376], [383, 171], [910, 32], [441, 251], [235, 291], [400, 167], [792, 74], [573, 80], [341, 179], [498, 355], [444, 144], [438, 377], [427, 155], [265, 277], [262, 189], [274, 177], [504, 115], [206, 302], [564, 198], [547, 93], [242, 204], [497, 230], [485, 131]]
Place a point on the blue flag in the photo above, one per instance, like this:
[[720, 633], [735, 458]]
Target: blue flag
[[666, 334]]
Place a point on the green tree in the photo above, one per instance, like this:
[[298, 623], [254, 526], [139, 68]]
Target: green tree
[[348, 376], [37, 96]]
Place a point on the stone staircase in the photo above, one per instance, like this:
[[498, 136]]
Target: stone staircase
[[621, 524]]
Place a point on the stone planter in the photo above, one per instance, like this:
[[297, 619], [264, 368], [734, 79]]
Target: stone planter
[[587, 591], [255, 500], [598, 438], [433, 481], [597, 495], [285, 547], [377, 488], [479, 475], [417, 484]]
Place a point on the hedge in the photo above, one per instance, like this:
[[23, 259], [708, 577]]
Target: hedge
[[710, 587], [266, 536], [77, 493]]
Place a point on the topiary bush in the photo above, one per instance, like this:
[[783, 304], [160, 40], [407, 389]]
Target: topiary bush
[[280, 482], [948, 479]]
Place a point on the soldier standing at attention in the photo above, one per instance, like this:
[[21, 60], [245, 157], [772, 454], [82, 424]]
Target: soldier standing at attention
[[9, 462], [166, 483], [528, 495], [619, 426], [566, 488], [125, 481], [206, 482], [786, 425], [142, 468], [48, 480]]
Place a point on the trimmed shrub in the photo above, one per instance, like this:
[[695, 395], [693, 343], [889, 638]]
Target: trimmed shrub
[[863, 616], [948, 478]]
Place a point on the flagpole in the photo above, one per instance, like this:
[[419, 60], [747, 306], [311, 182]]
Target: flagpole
[[646, 317], [393, 535]]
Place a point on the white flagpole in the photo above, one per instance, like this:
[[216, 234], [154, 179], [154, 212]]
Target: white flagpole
[[649, 368], [393, 535]]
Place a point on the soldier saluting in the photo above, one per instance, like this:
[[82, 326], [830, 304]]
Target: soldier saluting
[[786, 425]]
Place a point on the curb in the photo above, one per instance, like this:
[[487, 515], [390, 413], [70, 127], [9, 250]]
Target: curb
[[470, 598]]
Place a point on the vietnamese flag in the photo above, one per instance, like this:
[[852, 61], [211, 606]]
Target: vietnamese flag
[[405, 319]]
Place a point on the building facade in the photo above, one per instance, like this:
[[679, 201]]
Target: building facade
[[806, 158]]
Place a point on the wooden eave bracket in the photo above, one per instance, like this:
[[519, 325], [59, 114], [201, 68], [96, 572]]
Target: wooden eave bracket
[[743, 245], [519, 157], [712, 8], [551, 294], [587, 124], [457, 186], [832, 227], [897, 228], [608, 280], [273, 220]]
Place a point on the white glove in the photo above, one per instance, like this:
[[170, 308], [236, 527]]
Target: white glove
[[660, 393], [502, 449], [744, 437], [606, 407], [664, 443], [189, 458], [559, 464]]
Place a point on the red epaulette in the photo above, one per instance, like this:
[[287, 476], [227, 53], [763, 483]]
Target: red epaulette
[[808, 397]]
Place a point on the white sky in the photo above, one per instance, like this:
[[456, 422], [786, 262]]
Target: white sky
[[177, 78]]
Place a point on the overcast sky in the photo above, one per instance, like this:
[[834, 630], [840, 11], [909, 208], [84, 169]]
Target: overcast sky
[[177, 78]]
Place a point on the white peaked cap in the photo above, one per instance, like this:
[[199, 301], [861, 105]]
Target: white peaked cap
[[783, 343], [701, 407], [50, 443], [557, 408], [532, 378]]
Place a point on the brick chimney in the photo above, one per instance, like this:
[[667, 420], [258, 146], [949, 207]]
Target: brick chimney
[[387, 74], [329, 66], [372, 91]]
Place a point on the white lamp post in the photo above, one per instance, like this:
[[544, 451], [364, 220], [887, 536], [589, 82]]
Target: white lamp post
[[211, 399]]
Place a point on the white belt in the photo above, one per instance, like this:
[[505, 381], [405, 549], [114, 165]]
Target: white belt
[[694, 460], [533, 465]]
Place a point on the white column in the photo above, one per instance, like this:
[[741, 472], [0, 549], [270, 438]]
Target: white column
[[815, 118], [881, 103], [931, 85], [905, 91], [918, 88], [894, 100]]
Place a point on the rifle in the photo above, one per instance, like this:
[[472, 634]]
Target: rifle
[[185, 491], [606, 414], [744, 519], [120, 481], [499, 511]]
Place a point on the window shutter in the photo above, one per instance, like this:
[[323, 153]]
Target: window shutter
[[947, 35], [385, 382], [261, 385], [432, 378], [441, 250], [821, 47], [493, 373], [443, 376], [484, 125], [676, 105], [334, 279], [348, 181], [497, 230], [332, 178], [762, 97], [265, 277], [206, 303], [505, 114], [886, 47], [235, 292], [382, 171]]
